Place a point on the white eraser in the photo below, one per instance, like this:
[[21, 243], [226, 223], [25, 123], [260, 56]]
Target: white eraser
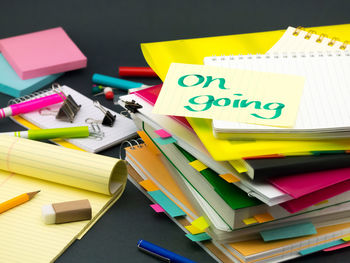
[[48, 214]]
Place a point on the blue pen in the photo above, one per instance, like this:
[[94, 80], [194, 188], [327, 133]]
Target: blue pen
[[161, 253], [118, 83]]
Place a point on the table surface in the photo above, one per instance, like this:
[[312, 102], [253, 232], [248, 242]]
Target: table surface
[[109, 33]]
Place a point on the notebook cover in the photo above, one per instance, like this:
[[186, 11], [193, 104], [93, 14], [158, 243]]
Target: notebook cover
[[265, 168], [42, 53], [13, 85]]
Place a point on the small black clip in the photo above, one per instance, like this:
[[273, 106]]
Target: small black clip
[[68, 110], [109, 118], [132, 106]]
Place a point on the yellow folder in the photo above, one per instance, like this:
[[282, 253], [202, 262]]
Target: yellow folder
[[160, 55]]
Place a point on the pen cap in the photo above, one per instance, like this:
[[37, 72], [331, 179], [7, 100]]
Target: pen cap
[[136, 72], [70, 132], [115, 82]]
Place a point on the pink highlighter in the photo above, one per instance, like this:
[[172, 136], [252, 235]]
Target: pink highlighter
[[32, 105]]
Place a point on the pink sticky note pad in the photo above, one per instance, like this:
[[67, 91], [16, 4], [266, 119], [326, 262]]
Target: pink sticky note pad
[[157, 208], [163, 134], [42, 53]]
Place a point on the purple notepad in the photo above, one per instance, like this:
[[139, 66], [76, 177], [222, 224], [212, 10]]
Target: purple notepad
[[42, 53]]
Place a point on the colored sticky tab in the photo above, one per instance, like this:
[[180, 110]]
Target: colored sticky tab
[[150, 145], [297, 230], [322, 202], [169, 206], [249, 221], [193, 230], [262, 218], [157, 208], [163, 134], [347, 238], [198, 165], [200, 223], [321, 247], [165, 141], [148, 185], [347, 244], [230, 178], [239, 165], [198, 237]]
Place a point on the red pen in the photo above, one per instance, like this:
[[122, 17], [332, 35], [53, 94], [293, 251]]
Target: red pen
[[136, 72]]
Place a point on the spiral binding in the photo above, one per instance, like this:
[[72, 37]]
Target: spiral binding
[[55, 88], [34, 95], [320, 38], [139, 143]]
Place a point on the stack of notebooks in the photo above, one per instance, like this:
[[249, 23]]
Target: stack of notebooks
[[31, 61], [248, 192]]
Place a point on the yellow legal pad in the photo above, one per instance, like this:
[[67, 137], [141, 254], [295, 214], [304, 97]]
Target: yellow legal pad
[[62, 175]]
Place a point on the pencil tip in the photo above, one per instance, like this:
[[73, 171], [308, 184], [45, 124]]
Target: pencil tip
[[32, 194]]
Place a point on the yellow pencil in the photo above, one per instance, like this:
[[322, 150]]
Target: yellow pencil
[[16, 201]]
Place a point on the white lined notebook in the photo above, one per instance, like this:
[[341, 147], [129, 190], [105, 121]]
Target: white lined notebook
[[293, 40], [324, 107], [122, 129]]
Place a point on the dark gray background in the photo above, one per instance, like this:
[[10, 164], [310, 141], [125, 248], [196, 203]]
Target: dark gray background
[[109, 33]]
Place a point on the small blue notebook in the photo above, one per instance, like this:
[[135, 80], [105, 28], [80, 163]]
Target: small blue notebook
[[11, 84]]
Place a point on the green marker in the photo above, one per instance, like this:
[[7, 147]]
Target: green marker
[[44, 134]]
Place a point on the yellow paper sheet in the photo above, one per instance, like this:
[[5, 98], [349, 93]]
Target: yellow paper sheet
[[160, 55], [23, 232], [230, 94]]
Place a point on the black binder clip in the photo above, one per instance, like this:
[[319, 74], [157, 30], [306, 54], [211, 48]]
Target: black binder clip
[[132, 106], [109, 118], [69, 108]]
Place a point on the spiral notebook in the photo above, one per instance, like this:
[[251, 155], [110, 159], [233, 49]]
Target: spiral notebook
[[324, 102], [122, 129]]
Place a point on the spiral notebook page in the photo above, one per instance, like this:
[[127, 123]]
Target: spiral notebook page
[[324, 102], [296, 40], [122, 129]]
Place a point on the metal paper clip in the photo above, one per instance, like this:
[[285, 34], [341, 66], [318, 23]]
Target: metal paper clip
[[95, 131], [69, 108], [109, 118]]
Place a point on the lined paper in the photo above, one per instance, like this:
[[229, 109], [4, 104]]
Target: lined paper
[[324, 102], [22, 229]]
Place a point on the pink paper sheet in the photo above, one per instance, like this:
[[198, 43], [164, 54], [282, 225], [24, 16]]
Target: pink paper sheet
[[302, 184], [305, 201], [42, 53]]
